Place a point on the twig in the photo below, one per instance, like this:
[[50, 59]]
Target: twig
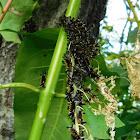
[[23, 85], [5, 10], [134, 12], [128, 14], [122, 37]]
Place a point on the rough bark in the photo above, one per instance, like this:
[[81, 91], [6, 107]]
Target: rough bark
[[91, 12], [8, 53]]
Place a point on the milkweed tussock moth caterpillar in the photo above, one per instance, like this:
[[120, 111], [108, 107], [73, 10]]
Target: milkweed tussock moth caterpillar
[[81, 49], [43, 79]]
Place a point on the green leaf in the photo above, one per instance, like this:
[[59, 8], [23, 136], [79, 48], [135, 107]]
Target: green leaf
[[104, 70], [96, 124], [123, 73], [133, 35], [118, 122], [131, 120], [100, 62], [1, 7], [14, 19], [57, 121], [33, 59]]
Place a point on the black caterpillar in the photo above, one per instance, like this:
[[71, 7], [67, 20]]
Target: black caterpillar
[[43, 79], [81, 49]]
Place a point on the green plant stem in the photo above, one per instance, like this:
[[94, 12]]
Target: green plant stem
[[52, 77], [134, 12], [23, 85], [47, 94], [60, 95], [73, 8]]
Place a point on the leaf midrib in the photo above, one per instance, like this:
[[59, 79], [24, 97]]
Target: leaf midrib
[[57, 119]]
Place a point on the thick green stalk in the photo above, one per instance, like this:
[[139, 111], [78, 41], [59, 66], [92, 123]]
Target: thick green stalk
[[52, 77], [73, 8], [24, 85], [47, 94]]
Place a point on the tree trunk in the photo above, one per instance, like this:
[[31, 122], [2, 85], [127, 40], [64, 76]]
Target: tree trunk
[[91, 12]]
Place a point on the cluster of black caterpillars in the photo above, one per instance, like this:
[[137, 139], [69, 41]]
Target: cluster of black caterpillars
[[81, 50]]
